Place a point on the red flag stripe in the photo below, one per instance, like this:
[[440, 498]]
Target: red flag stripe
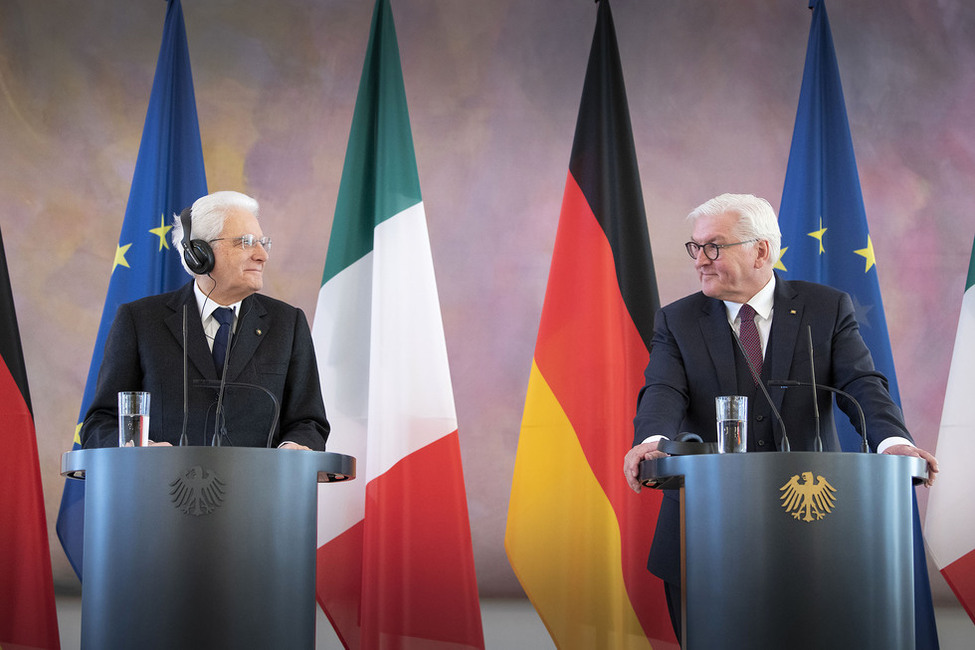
[[960, 576], [597, 385], [27, 611], [401, 538]]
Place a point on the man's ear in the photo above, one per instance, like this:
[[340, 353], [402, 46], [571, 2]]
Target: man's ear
[[764, 253]]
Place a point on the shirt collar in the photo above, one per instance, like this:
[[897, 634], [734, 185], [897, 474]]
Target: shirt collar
[[206, 305], [761, 302]]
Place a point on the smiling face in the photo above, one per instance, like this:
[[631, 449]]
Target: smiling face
[[739, 272], [238, 271]]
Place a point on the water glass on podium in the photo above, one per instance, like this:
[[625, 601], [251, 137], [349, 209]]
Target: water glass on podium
[[732, 421], [133, 419]]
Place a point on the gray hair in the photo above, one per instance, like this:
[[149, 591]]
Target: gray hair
[[208, 215], [756, 218]]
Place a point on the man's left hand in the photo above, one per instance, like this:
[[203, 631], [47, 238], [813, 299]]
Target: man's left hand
[[909, 450], [293, 445]]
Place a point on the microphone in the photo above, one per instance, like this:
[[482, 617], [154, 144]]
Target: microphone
[[183, 440], [818, 442], [788, 383], [220, 423], [266, 391], [784, 445]]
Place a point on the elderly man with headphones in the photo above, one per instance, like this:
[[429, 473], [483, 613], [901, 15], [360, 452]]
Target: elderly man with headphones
[[222, 362]]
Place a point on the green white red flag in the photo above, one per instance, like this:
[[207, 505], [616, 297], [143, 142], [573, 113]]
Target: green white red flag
[[395, 559], [949, 526]]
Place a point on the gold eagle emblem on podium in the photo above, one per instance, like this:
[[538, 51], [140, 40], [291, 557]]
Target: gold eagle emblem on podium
[[808, 499], [197, 491]]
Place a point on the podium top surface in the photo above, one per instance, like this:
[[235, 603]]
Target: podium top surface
[[331, 467], [669, 472]]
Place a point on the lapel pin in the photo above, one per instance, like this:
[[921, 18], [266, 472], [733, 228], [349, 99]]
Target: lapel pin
[[792, 311], [260, 331]]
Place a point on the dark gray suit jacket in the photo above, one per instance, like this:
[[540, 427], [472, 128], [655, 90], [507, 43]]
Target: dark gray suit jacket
[[271, 348], [693, 360]]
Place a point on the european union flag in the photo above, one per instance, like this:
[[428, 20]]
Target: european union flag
[[169, 175], [825, 239]]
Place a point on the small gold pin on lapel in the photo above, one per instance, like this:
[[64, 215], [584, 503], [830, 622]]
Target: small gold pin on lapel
[[260, 331], [792, 311]]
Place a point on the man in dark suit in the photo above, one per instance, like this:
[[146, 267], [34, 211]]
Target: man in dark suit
[[270, 351], [694, 358]]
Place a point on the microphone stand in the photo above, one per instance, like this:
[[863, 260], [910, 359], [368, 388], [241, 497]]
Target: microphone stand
[[208, 383], [789, 383], [183, 439], [818, 442]]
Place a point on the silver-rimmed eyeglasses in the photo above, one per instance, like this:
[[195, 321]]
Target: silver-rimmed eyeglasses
[[247, 241], [711, 250]]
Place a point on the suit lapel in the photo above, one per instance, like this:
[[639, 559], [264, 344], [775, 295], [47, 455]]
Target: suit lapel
[[788, 308], [251, 330], [717, 336], [198, 352]]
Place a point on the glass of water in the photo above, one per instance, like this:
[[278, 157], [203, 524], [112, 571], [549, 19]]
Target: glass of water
[[133, 419], [732, 418]]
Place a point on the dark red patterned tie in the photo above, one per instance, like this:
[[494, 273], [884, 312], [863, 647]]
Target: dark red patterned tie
[[748, 333]]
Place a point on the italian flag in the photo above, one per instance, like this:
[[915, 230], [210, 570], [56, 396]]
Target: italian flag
[[395, 561], [577, 536], [950, 522]]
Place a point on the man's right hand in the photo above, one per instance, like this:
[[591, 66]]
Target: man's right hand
[[631, 463]]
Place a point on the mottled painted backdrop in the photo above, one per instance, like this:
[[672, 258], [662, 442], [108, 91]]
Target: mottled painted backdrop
[[493, 90]]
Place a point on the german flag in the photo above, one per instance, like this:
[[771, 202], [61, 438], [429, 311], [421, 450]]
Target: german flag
[[28, 618], [577, 537]]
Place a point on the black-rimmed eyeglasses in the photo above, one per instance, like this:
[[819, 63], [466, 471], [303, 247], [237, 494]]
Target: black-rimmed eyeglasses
[[711, 250], [247, 241]]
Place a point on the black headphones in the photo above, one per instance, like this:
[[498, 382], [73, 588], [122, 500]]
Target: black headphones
[[197, 253]]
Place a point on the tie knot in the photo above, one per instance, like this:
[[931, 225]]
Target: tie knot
[[746, 311], [224, 315]]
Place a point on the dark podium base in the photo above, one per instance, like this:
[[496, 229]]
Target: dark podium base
[[835, 571], [200, 547]]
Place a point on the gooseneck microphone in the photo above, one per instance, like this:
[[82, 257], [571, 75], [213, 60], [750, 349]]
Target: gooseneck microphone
[[784, 444], [818, 442], [183, 440], [263, 389], [789, 383]]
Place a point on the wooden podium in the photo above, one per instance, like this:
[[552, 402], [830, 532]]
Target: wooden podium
[[794, 550], [200, 547]]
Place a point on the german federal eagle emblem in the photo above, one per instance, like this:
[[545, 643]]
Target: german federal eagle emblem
[[808, 499], [197, 491]]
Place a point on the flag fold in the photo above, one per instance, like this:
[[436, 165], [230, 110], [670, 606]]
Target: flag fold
[[950, 519], [28, 617], [395, 557], [825, 239], [577, 537], [169, 175]]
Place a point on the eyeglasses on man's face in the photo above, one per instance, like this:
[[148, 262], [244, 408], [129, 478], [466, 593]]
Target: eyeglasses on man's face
[[247, 241], [711, 250]]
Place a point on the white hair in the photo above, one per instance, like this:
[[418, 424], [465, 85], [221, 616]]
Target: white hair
[[756, 218], [208, 215]]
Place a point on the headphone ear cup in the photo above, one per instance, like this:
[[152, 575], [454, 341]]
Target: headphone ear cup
[[198, 255]]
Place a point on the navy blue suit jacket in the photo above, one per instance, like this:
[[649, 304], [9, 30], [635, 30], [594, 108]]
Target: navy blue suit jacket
[[693, 360], [271, 348]]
